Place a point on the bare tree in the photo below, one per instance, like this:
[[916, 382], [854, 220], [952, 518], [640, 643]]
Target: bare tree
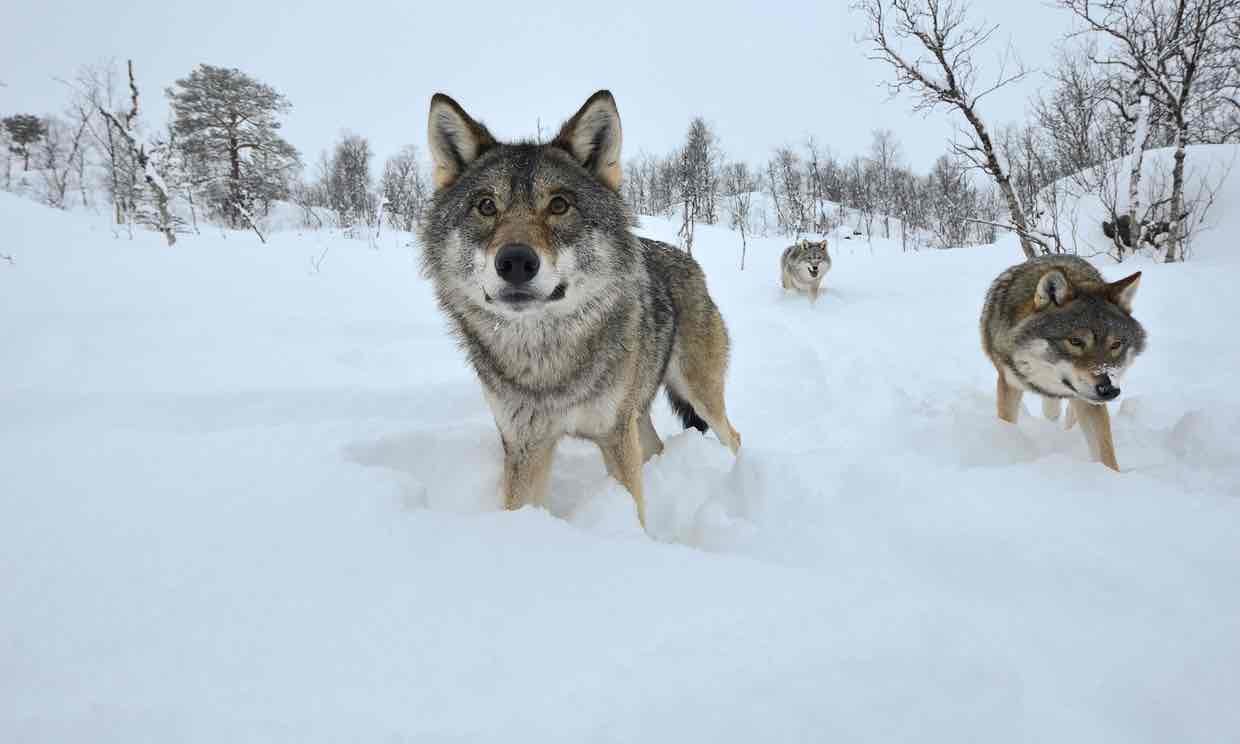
[[739, 184], [95, 89], [61, 151], [697, 179], [405, 188], [1176, 48], [125, 126], [347, 184], [943, 73], [885, 154]]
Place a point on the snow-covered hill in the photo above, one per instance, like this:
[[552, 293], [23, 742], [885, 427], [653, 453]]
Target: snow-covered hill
[[245, 500], [1211, 181]]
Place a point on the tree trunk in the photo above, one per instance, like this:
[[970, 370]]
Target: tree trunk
[[1175, 235], [1139, 137], [234, 180], [117, 200], [1015, 213]]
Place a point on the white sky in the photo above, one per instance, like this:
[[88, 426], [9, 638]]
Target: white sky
[[763, 73]]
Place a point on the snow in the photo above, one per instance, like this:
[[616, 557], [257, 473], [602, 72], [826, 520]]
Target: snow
[[242, 499]]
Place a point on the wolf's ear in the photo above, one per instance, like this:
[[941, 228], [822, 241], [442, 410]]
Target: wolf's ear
[[455, 139], [1123, 291], [592, 136], [1053, 289]]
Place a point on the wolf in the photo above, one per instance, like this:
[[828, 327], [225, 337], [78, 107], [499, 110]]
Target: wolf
[[1053, 326], [571, 322], [803, 267]]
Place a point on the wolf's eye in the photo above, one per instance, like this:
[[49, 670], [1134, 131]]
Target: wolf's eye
[[1117, 344], [486, 207], [1078, 343], [558, 205]]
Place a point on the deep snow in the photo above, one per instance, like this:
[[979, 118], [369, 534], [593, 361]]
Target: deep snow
[[242, 500]]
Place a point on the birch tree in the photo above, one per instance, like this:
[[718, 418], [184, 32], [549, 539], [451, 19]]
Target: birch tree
[[941, 72], [126, 126], [739, 184], [1172, 46]]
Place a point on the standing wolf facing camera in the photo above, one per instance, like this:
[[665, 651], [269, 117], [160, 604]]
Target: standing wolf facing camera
[[570, 320], [1053, 326], [803, 267]]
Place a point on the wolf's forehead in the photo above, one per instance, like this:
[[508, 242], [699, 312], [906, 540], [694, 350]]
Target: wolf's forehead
[[524, 171], [1093, 314]]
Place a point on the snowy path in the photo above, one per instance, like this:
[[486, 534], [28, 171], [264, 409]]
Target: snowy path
[[242, 501]]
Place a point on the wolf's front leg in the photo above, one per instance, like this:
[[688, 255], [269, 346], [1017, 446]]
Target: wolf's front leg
[[1096, 424], [527, 469], [622, 453], [1007, 399]]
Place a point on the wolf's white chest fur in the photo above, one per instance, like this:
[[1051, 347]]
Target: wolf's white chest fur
[[532, 418]]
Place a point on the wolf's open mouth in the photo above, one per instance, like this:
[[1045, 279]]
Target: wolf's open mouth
[[522, 297]]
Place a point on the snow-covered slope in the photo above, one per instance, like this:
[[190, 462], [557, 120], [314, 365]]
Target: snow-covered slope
[[1211, 181], [242, 500]]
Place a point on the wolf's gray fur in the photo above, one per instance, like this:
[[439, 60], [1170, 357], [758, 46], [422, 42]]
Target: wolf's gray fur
[[571, 322], [803, 266], [1053, 326]]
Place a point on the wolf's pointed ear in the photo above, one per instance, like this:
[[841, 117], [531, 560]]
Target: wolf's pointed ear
[[455, 139], [592, 137], [1053, 289], [1123, 291]]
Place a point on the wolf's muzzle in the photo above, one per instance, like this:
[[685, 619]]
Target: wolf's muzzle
[[516, 263], [1106, 390]]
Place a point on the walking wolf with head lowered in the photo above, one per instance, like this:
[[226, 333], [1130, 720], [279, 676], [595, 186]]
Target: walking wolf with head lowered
[[1053, 326], [803, 266], [570, 320]]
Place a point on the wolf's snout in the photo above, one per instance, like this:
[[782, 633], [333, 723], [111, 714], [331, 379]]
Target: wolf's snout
[[1105, 389], [516, 263]]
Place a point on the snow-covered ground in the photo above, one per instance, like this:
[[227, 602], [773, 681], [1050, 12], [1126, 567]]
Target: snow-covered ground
[[245, 501]]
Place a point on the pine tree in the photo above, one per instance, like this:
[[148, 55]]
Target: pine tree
[[24, 130], [227, 124]]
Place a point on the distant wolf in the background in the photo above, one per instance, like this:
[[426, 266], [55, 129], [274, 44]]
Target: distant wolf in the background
[[1053, 326], [803, 266], [571, 321]]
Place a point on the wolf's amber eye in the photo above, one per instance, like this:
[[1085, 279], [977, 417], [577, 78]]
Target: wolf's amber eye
[[558, 205], [1117, 345], [486, 207], [1078, 343]]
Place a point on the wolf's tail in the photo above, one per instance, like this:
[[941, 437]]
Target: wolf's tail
[[687, 415]]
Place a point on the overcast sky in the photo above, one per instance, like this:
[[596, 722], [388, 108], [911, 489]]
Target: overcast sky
[[763, 73]]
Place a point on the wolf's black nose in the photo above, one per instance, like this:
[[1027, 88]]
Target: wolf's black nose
[[1105, 389], [516, 263]]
